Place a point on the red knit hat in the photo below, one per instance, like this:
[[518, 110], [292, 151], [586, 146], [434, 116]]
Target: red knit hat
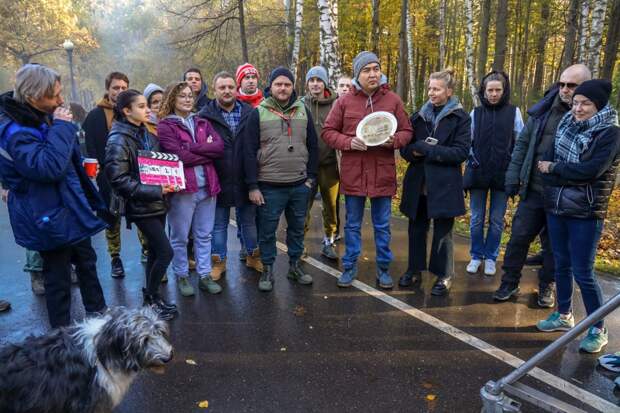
[[243, 70]]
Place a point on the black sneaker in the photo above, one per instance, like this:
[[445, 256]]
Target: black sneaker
[[410, 278], [117, 267], [534, 260], [442, 286], [505, 291], [546, 296]]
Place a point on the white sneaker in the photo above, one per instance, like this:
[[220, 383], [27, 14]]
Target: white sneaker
[[473, 266], [489, 267]]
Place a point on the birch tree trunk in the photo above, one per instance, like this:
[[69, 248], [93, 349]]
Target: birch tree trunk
[[412, 67], [242, 36], [596, 36], [613, 39], [501, 35], [442, 33], [299, 19], [583, 31], [401, 83], [374, 35], [330, 53], [569, 37], [289, 28], [483, 52], [469, 51]]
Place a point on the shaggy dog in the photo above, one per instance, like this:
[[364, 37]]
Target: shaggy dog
[[86, 368]]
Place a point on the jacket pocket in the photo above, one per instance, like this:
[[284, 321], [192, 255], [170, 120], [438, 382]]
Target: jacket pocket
[[386, 174], [54, 226]]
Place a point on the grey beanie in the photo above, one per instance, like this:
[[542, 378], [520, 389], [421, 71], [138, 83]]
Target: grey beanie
[[362, 59], [320, 72], [150, 89]]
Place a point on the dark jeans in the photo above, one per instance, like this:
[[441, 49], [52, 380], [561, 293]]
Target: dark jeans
[[528, 222], [57, 276], [574, 244], [160, 251], [442, 247], [293, 201]]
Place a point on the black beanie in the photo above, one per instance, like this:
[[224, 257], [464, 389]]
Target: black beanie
[[280, 71], [597, 90]]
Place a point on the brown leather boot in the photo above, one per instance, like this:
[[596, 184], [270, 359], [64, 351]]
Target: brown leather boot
[[253, 261], [219, 267]]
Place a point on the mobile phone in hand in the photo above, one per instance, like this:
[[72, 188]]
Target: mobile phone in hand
[[431, 141]]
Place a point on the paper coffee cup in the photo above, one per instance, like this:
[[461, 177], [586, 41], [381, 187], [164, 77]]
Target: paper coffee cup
[[90, 166]]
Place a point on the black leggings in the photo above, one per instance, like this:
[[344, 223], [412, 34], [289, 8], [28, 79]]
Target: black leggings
[[160, 251]]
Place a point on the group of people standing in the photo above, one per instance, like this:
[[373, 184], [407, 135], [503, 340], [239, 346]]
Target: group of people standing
[[268, 153]]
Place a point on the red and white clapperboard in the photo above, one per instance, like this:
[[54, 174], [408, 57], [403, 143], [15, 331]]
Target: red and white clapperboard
[[159, 168]]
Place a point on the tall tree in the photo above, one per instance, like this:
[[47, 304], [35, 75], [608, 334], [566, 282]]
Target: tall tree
[[442, 33], [330, 53], [524, 55], [299, 20], [596, 35], [483, 48], [501, 35], [613, 39], [288, 12], [242, 36], [469, 50], [401, 84], [583, 31], [412, 66], [374, 34], [541, 42], [569, 36]]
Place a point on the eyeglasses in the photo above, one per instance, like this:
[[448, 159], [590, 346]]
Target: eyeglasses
[[568, 85]]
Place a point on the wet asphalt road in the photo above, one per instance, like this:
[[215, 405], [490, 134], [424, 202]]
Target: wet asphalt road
[[321, 348]]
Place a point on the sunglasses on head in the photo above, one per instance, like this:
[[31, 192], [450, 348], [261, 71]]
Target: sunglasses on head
[[568, 85]]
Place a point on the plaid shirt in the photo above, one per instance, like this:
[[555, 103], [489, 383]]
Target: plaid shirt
[[233, 117]]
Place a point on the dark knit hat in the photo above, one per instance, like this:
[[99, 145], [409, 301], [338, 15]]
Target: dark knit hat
[[280, 71], [597, 90]]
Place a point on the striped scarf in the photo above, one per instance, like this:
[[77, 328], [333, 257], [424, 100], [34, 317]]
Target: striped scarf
[[573, 137]]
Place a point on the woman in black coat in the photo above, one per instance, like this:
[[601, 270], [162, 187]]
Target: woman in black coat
[[580, 173], [433, 183], [144, 204]]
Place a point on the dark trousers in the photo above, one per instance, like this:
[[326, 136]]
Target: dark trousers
[[160, 251], [529, 220], [442, 246], [57, 280]]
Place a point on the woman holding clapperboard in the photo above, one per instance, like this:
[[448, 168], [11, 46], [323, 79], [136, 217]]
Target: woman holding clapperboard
[[197, 144], [144, 204]]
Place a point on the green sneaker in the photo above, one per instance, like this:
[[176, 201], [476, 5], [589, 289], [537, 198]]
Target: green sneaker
[[594, 341], [185, 287], [556, 323], [265, 283], [296, 273], [207, 284]]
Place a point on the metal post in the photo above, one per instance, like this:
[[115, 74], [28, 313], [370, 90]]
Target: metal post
[[68, 46]]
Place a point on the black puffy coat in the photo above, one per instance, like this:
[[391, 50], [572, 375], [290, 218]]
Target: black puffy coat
[[229, 167], [121, 169], [439, 170], [582, 190]]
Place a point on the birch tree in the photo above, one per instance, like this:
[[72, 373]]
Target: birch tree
[[583, 31], [469, 50], [401, 86], [412, 67], [299, 20], [330, 53], [596, 35], [442, 33]]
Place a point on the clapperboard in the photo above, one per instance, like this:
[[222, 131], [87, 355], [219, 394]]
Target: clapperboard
[[159, 168]]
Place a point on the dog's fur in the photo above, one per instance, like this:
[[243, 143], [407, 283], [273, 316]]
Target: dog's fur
[[86, 368]]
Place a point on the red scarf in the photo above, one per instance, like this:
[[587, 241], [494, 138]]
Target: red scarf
[[253, 100]]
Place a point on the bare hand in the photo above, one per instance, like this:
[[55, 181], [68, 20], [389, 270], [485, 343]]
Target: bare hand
[[256, 197], [4, 193], [168, 188], [357, 144], [389, 143], [63, 114], [544, 166]]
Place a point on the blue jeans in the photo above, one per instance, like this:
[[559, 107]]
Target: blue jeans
[[293, 201], [574, 243], [246, 223], [480, 248], [380, 211]]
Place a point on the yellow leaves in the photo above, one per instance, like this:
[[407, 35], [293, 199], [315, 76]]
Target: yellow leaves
[[431, 397], [203, 404]]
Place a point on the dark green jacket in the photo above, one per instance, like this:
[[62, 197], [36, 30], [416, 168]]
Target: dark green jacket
[[319, 108]]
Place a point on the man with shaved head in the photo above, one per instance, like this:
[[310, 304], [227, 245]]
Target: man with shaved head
[[524, 179]]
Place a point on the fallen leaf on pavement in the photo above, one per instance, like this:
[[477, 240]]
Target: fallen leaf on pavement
[[203, 404], [191, 362], [430, 397]]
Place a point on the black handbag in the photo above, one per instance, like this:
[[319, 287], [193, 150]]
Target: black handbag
[[117, 205]]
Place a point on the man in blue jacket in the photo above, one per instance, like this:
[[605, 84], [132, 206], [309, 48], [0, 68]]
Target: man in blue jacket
[[51, 199]]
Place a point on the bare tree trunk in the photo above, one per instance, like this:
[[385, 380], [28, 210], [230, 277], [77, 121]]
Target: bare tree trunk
[[501, 35], [374, 35], [483, 52], [569, 37], [469, 51], [289, 28], [330, 51], [401, 84], [583, 31], [523, 63], [299, 20], [596, 36], [613, 39], [244, 40], [540, 48], [412, 67], [442, 33]]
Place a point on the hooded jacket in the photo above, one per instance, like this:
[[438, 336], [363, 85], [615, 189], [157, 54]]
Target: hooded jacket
[[96, 128], [319, 108], [51, 200]]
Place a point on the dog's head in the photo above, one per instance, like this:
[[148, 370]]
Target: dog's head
[[131, 340]]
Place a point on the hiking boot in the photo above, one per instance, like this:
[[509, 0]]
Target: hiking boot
[[556, 322], [265, 283], [473, 266], [410, 278], [208, 284], [489, 267], [337, 238], [442, 286], [329, 251], [74, 277], [610, 362], [156, 298], [117, 267], [595, 340], [296, 273], [546, 296], [161, 311], [36, 282], [534, 260], [185, 288], [253, 261], [347, 277], [384, 279], [4, 305], [505, 291], [218, 267]]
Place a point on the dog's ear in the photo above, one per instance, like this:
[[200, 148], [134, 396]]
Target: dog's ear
[[111, 342]]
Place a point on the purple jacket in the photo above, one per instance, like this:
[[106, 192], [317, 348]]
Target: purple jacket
[[174, 137]]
